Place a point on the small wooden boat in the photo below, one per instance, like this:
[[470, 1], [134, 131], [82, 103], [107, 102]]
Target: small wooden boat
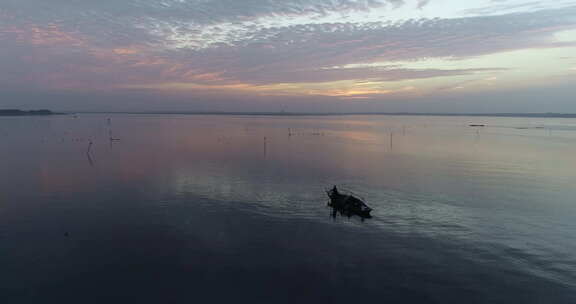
[[347, 203]]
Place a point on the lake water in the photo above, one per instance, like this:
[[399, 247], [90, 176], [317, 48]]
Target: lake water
[[220, 209]]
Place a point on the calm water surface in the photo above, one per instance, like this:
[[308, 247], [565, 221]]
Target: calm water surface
[[218, 209]]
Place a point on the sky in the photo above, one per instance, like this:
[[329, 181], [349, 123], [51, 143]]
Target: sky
[[289, 55]]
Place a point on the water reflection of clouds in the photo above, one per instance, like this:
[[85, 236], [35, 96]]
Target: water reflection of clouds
[[219, 150], [487, 196], [361, 136]]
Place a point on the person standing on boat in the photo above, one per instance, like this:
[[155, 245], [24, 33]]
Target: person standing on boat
[[335, 190]]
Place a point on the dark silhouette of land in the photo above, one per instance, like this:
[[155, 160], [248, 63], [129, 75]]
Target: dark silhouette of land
[[15, 112]]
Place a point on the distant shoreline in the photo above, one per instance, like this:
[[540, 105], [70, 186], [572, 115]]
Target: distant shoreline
[[528, 115], [16, 112]]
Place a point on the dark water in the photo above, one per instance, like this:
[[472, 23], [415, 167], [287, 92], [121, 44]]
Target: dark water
[[186, 209]]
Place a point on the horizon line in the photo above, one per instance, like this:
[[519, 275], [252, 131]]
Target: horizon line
[[283, 113]]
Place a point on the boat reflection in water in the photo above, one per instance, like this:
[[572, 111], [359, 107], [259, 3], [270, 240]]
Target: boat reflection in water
[[345, 203]]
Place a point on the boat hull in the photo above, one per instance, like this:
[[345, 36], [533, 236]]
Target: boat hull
[[349, 205]]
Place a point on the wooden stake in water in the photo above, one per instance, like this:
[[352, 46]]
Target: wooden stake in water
[[89, 147], [90, 161]]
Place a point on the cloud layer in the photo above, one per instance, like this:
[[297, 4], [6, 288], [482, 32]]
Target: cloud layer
[[267, 45]]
